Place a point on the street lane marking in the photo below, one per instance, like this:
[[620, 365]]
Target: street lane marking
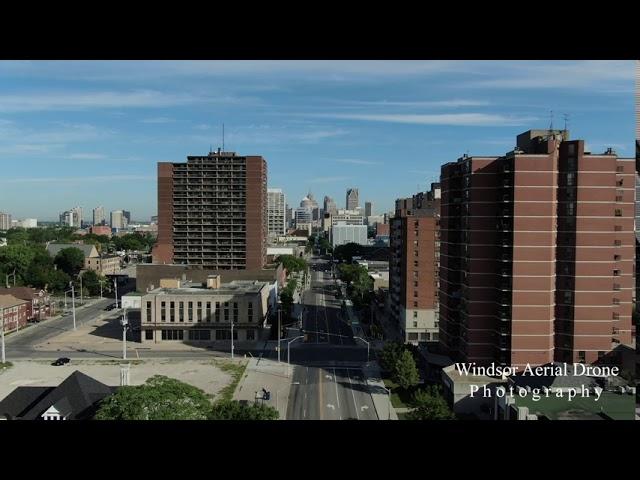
[[328, 377], [364, 407], [320, 392], [336, 384], [331, 406], [354, 396]]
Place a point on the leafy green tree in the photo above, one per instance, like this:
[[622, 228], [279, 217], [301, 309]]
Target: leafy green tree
[[347, 251], [39, 272], [58, 281], [70, 260], [91, 282], [292, 263], [390, 354], [16, 258], [405, 373], [234, 410], [430, 405], [160, 398]]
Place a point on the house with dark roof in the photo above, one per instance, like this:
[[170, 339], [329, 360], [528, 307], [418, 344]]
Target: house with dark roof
[[93, 259], [76, 398]]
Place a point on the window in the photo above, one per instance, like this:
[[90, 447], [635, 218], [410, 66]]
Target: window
[[415, 243], [434, 337], [415, 284], [618, 212], [620, 183], [415, 304], [581, 356], [208, 312], [617, 228], [415, 324], [199, 334], [615, 316], [415, 263], [172, 334], [199, 312], [251, 334], [616, 301], [617, 243], [181, 311], [223, 335], [217, 311], [163, 312], [149, 318], [618, 198], [413, 336], [616, 287], [616, 273], [415, 253], [226, 314], [415, 294], [619, 169], [172, 311], [148, 334], [415, 314], [600, 354], [250, 312], [415, 274], [416, 232]]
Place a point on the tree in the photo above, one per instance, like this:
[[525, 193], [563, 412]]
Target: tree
[[70, 260], [430, 405], [91, 282], [292, 264], [16, 258], [58, 281], [234, 410], [405, 373], [347, 251], [40, 270], [160, 398], [390, 354]]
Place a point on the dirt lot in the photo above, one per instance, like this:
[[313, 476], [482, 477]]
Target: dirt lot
[[203, 374]]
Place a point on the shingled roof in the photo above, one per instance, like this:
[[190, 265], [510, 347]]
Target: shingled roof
[[88, 250], [78, 393]]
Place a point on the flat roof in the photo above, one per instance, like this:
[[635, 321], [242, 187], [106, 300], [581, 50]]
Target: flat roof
[[231, 288]]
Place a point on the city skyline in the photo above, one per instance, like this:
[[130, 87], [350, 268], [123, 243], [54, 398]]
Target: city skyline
[[91, 133]]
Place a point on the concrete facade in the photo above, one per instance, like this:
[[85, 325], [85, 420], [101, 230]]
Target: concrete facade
[[205, 314], [276, 213], [342, 233]]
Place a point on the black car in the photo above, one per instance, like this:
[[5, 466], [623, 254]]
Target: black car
[[61, 361]]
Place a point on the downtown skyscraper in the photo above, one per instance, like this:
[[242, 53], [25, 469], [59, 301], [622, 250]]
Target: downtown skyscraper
[[537, 253], [212, 212]]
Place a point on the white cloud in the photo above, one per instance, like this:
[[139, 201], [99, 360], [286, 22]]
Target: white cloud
[[356, 161], [32, 102], [78, 180], [427, 103], [87, 156], [158, 120], [452, 119]]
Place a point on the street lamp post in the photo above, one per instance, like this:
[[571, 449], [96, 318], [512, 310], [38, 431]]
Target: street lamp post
[[360, 338], [81, 298], [124, 322], [101, 289], [65, 299], [115, 284], [73, 304], [279, 332], [389, 397], [289, 353]]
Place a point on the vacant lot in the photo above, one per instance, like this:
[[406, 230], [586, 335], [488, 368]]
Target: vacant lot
[[212, 376]]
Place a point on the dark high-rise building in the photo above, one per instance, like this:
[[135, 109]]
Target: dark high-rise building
[[368, 209], [212, 212], [126, 214], [537, 253], [330, 206], [352, 202]]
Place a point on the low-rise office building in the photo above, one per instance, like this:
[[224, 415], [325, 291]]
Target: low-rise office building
[[39, 302], [174, 312], [13, 312]]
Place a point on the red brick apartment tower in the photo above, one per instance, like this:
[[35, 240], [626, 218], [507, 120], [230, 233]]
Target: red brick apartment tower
[[595, 261], [413, 271], [537, 253], [212, 212]]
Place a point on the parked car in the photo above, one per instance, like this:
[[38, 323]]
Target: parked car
[[61, 361]]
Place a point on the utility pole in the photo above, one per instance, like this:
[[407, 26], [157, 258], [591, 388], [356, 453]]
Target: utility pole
[[4, 358], [73, 304], [232, 338], [115, 284], [81, 299], [279, 333]]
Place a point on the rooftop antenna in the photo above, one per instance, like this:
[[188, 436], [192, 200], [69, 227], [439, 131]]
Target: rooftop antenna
[[566, 121], [551, 122], [223, 137]]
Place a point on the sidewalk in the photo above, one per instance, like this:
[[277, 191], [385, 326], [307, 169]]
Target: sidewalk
[[262, 373], [378, 393]]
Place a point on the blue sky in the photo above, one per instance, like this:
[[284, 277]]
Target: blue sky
[[90, 133]]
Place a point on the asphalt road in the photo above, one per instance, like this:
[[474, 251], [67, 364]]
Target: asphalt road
[[327, 380]]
